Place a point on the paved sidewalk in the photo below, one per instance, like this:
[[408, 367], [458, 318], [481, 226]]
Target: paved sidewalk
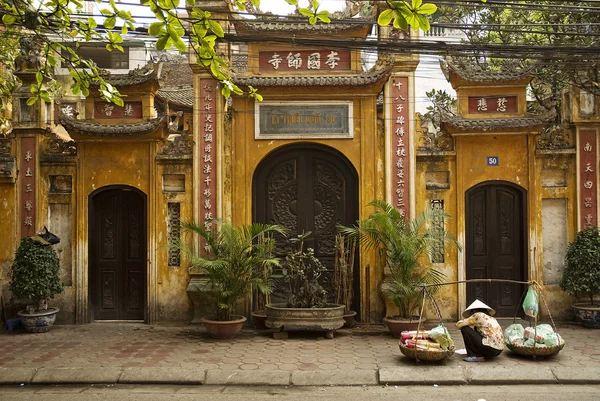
[[367, 355]]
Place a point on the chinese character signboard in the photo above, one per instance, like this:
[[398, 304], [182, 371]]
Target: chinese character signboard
[[110, 110], [304, 60], [293, 119], [208, 150], [400, 147], [588, 189], [493, 104], [27, 178]]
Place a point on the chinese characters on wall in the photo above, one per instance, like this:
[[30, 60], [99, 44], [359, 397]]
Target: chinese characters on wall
[[493, 104], [400, 144], [304, 60], [587, 179], [208, 151], [109, 110], [27, 176]]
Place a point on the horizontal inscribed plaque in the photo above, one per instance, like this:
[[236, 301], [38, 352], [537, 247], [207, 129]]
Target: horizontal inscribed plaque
[[313, 120]]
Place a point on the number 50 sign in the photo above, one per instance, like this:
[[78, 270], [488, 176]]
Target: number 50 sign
[[493, 161]]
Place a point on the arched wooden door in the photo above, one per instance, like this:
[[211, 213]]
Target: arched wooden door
[[117, 254], [496, 244], [308, 187]]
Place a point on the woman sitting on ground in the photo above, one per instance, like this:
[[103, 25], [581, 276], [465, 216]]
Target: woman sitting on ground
[[481, 332]]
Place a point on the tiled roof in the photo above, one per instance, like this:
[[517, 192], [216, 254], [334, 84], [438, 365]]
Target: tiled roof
[[475, 73], [97, 129], [491, 124], [300, 25], [135, 77], [178, 96], [176, 74], [366, 78]]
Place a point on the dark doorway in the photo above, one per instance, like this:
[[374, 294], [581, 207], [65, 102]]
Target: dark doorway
[[496, 244], [117, 252], [308, 187]]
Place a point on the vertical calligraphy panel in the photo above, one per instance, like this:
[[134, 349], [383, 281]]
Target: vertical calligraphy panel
[[208, 150], [588, 192], [400, 140], [27, 178]]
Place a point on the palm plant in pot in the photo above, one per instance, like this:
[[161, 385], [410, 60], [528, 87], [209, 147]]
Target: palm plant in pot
[[306, 306], [400, 245], [230, 257], [581, 277], [35, 277]]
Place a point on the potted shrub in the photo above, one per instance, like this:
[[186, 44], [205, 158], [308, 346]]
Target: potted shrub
[[306, 306], [230, 257], [581, 277], [35, 277], [400, 245], [343, 276]]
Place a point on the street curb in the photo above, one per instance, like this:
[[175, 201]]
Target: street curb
[[419, 375], [162, 375], [88, 375], [248, 377], [16, 375], [570, 375], [510, 375], [334, 378]]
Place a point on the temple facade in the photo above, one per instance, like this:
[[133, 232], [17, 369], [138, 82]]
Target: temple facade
[[331, 135]]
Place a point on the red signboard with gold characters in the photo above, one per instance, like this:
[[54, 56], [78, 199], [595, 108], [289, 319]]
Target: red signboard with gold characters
[[208, 150], [588, 187], [304, 60], [400, 144]]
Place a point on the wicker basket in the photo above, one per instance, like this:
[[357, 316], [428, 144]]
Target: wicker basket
[[536, 351], [426, 355]]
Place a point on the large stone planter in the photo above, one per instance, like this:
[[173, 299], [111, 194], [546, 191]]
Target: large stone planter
[[309, 319], [587, 315], [38, 322]]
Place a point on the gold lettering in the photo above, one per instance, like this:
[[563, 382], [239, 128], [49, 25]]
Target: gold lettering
[[331, 119]]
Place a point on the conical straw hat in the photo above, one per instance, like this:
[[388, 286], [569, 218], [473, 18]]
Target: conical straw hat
[[477, 304]]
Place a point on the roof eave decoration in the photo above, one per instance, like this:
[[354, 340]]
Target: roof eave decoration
[[461, 70], [295, 26], [117, 130], [456, 124], [135, 77], [181, 96]]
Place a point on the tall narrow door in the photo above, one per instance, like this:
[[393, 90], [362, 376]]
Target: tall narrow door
[[308, 188], [118, 255], [496, 245]]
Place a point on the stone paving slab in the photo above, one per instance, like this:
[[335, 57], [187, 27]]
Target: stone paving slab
[[245, 377], [334, 378], [87, 375], [568, 375], [484, 374], [16, 375], [423, 374], [173, 375]]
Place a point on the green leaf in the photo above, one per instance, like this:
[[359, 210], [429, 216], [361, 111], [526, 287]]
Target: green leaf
[[180, 45], [400, 22], [416, 4], [324, 16], [385, 17], [312, 20], [292, 2], [315, 4], [31, 101], [306, 12], [156, 28], [225, 91], [423, 22], [162, 42], [106, 12], [216, 28], [39, 77], [8, 19], [427, 9], [110, 22]]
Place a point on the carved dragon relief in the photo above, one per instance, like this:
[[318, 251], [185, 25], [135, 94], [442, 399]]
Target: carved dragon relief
[[431, 137]]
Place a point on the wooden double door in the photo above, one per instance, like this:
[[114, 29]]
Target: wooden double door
[[117, 254], [307, 188], [496, 245]]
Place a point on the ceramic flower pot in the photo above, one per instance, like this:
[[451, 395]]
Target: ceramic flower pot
[[587, 315], [223, 329], [38, 322], [397, 325]]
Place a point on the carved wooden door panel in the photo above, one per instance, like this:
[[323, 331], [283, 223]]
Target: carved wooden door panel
[[496, 245], [118, 255], [307, 189]]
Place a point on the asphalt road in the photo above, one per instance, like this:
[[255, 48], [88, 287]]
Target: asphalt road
[[234, 393]]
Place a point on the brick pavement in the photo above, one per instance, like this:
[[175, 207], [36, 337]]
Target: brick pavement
[[368, 349]]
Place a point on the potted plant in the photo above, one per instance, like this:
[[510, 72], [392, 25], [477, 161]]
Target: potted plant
[[343, 276], [230, 257], [35, 277], [581, 277], [306, 306], [400, 245]]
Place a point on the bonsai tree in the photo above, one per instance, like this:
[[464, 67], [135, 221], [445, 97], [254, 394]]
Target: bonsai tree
[[400, 245], [581, 277], [233, 258], [35, 274], [301, 272]]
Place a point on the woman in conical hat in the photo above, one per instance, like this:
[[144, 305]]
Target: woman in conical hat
[[481, 332]]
